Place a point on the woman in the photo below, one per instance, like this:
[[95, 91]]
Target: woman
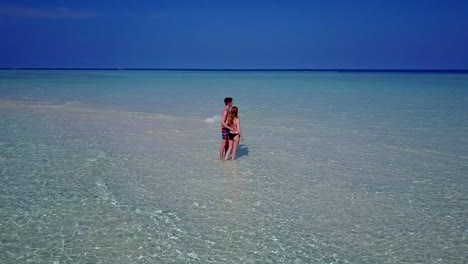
[[235, 133]]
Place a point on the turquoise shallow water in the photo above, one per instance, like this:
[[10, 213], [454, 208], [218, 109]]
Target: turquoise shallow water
[[121, 167]]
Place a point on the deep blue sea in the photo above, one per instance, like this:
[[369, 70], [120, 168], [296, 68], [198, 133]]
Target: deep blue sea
[[335, 167]]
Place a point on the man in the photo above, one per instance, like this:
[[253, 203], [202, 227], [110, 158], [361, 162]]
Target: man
[[228, 101]]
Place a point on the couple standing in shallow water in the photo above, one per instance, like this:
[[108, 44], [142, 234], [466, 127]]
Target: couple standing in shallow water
[[231, 133]]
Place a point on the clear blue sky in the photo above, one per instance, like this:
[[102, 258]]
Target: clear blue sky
[[345, 34]]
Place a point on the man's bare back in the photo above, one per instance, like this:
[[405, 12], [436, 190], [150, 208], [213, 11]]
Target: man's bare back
[[224, 130]]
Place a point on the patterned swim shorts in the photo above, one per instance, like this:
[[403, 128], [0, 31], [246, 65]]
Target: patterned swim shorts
[[224, 133]]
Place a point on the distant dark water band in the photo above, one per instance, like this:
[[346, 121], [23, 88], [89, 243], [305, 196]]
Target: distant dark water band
[[464, 71]]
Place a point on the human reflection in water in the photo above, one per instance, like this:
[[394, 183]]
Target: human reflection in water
[[233, 190]]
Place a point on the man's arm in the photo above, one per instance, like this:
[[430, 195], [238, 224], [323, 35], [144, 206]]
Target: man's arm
[[223, 119]]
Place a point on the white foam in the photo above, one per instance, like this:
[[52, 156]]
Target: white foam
[[213, 120]]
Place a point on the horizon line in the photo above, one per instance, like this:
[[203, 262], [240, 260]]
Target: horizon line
[[237, 69]]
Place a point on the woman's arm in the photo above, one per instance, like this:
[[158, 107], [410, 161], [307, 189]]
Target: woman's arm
[[239, 127]]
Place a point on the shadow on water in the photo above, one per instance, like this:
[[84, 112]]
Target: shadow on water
[[242, 151]]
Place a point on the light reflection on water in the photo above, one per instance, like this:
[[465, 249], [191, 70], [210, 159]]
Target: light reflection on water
[[82, 182]]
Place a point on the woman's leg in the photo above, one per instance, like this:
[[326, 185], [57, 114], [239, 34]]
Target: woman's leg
[[228, 150], [234, 147]]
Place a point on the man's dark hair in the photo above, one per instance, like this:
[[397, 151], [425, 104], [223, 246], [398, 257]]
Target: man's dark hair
[[227, 100]]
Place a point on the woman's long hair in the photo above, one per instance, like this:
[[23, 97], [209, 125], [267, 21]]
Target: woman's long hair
[[232, 115]]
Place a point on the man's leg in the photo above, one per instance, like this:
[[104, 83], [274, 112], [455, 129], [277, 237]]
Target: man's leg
[[224, 144], [223, 148]]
